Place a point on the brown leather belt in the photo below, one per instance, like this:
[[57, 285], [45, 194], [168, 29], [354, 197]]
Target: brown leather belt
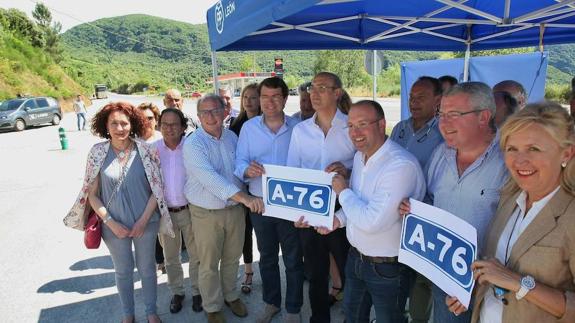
[[178, 208], [375, 260]]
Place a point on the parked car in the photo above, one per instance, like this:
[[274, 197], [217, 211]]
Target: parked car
[[196, 94], [20, 113]]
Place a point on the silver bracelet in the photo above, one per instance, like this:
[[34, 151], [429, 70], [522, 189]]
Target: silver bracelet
[[107, 218]]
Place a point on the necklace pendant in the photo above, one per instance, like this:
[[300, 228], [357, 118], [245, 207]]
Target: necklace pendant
[[121, 155]]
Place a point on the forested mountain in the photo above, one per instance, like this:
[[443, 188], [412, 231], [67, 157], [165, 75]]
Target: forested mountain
[[29, 56], [136, 51]]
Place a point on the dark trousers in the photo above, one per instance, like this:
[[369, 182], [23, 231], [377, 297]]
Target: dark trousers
[[385, 286], [272, 233], [159, 252], [316, 250], [248, 252]]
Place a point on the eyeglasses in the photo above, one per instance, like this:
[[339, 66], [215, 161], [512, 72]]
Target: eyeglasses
[[212, 112], [452, 115], [360, 126], [319, 88], [169, 125], [275, 98]]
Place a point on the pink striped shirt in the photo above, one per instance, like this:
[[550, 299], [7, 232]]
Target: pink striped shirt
[[173, 173]]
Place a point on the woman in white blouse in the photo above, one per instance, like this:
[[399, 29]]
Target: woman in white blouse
[[529, 269]]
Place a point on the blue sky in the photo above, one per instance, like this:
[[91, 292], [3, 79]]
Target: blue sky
[[74, 12]]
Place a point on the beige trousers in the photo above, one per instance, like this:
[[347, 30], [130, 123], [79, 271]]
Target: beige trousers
[[182, 222], [219, 236]]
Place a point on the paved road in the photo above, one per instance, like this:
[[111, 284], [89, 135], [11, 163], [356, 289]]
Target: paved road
[[47, 275]]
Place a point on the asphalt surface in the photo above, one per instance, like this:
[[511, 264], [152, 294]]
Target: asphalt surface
[[47, 275]]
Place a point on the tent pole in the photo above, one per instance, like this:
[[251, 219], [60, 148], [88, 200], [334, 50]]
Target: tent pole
[[215, 72], [373, 67], [467, 55], [466, 63]]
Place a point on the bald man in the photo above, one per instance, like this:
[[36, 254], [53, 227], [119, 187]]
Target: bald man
[[173, 99], [514, 88]]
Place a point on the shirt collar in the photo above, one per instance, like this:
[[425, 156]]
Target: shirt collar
[[180, 145], [538, 205], [379, 153]]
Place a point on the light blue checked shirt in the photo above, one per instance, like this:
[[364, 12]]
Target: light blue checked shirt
[[258, 143], [474, 195], [421, 143], [209, 164]]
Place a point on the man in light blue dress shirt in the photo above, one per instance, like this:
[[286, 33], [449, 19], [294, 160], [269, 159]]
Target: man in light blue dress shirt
[[263, 140], [465, 174], [420, 136], [218, 221]]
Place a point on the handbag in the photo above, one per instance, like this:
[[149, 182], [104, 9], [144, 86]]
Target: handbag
[[93, 231], [93, 227]]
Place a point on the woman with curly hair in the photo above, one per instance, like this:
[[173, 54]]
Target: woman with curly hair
[[123, 185]]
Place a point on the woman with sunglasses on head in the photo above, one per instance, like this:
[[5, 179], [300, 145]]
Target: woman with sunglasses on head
[[123, 185], [152, 114], [528, 274]]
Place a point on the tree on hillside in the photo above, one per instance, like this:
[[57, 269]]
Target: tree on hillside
[[16, 22], [347, 64], [51, 31]]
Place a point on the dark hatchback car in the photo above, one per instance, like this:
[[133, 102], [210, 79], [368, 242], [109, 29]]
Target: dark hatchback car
[[17, 114]]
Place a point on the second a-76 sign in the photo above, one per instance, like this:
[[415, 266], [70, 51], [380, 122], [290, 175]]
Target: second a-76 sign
[[290, 193], [440, 246]]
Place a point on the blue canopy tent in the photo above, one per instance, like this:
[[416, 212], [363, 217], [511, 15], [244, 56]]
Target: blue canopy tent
[[430, 25]]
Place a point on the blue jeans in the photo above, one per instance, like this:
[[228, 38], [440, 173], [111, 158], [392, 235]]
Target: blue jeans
[[272, 233], [385, 286], [441, 313], [82, 116], [121, 252]]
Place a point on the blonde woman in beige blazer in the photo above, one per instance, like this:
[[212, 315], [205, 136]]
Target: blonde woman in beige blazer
[[529, 268]]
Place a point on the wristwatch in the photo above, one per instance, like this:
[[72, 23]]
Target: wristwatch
[[527, 284]]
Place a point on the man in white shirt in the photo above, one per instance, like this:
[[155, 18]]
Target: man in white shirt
[[383, 174], [265, 140], [322, 143], [80, 109], [218, 221]]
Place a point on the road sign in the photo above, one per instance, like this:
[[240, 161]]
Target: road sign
[[290, 193], [368, 62], [440, 246]]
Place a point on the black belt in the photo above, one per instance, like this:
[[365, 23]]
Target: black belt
[[375, 260], [178, 208]]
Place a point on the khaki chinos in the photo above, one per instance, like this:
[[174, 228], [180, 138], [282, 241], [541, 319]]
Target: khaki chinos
[[182, 222], [219, 237]]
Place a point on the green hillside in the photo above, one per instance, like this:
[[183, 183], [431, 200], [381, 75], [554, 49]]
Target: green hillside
[[133, 52], [26, 68]]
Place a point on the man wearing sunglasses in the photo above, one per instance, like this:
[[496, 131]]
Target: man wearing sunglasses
[[465, 173], [218, 221], [322, 143], [420, 136]]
